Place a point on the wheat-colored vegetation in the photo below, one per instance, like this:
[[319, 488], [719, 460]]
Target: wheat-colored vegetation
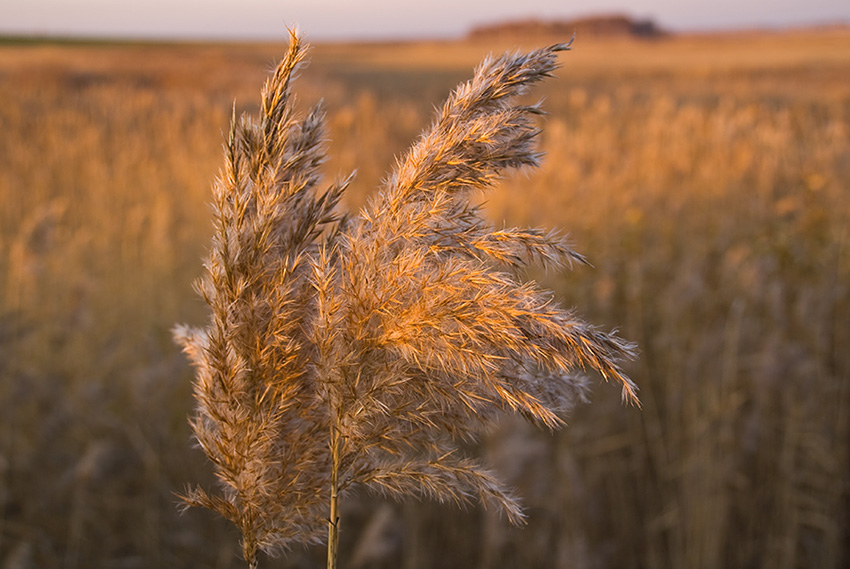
[[705, 179], [352, 350]]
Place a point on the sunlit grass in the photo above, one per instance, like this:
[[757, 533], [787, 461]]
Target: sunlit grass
[[705, 178]]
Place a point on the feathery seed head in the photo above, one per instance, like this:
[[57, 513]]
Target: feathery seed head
[[358, 350]]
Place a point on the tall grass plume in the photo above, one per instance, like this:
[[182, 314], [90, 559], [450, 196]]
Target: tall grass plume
[[359, 350]]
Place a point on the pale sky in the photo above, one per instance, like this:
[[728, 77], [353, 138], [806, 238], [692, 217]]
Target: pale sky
[[381, 19]]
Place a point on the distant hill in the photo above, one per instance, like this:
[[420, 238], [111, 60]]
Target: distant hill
[[599, 26]]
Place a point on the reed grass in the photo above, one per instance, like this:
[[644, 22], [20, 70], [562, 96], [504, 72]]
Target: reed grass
[[705, 178], [358, 350]]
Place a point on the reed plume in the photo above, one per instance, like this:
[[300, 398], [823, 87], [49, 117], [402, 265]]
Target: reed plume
[[359, 350]]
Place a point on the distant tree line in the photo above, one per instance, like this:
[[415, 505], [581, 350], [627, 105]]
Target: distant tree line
[[608, 25]]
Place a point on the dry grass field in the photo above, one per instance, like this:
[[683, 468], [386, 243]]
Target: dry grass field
[[707, 178]]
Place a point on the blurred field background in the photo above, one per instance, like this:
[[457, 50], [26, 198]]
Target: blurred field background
[[707, 178]]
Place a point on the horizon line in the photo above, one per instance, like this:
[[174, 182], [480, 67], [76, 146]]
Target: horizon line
[[7, 36]]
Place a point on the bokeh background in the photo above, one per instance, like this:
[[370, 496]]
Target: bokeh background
[[705, 174]]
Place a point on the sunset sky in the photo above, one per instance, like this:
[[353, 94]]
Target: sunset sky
[[381, 19]]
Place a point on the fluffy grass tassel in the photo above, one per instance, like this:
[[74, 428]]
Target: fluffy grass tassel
[[360, 350]]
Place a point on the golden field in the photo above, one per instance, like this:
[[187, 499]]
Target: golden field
[[707, 178]]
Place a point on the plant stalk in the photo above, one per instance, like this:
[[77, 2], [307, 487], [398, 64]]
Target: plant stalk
[[333, 521]]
